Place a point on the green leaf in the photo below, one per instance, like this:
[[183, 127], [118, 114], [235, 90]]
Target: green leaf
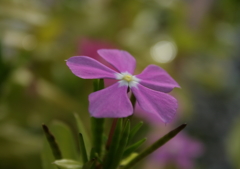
[[128, 159], [233, 146], [113, 145], [82, 129], [130, 149], [47, 156], [122, 145], [67, 164], [83, 149], [98, 158], [92, 153], [154, 146], [135, 130], [90, 164], [65, 140], [52, 142]]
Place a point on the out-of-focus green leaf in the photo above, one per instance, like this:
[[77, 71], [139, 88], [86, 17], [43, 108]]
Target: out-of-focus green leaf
[[47, 156], [135, 130], [65, 139], [82, 129], [128, 159], [83, 149], [52, 142], [67, 164], [90, 164], [233, 144]]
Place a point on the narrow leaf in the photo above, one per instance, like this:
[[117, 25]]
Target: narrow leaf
[[47, 156], [155, 146], [122, 145], [83, 149], [66, 141], [130, 149], [67, 164], [82, 129], [52, 142], [92, 153], [128, 159], [135, 130], [90, 164], [98, 158], [113, 145]]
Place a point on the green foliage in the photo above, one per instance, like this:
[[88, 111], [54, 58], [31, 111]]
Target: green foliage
[[83, 131], [52, 142], [116, 151], [67, 164], [121, 146], [83, 149], [233, 144], [113, 145], [130, 149], [47, 156], [65, 139], [154, 146], [135, 130]]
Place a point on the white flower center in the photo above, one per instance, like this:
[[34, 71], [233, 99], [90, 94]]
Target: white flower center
[[126, 79]]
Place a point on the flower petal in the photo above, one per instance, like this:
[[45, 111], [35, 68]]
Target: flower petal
[[156, 78], [120, 59], [158, 103], [88, 68], [150, 118], [111, 102]]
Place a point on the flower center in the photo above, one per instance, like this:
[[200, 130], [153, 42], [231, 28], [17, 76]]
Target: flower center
[[128, 78]]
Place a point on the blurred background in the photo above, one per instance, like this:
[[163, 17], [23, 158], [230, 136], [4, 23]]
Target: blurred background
[[196, 41]]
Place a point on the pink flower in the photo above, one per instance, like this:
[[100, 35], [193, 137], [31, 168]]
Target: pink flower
[[89, 47], [149, 87]]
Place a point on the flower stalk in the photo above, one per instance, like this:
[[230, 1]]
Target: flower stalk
[[97, 124]]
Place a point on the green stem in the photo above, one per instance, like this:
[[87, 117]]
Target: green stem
[[155, 146], [97, 123], [97, 131]]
